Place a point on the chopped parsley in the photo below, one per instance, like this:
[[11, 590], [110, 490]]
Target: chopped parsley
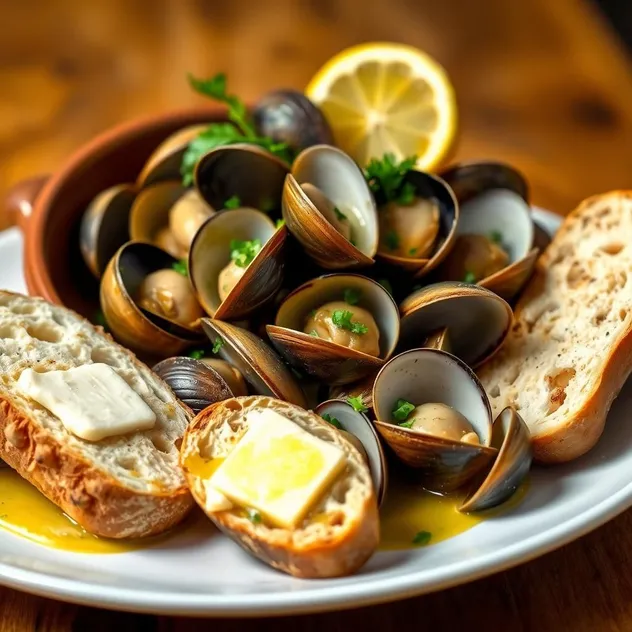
[[357, 403], [407, 424], [342, 319], [422, 538], [314, 333], [412, 251], [197, 354], [352, 296], [181, 267], [243, 252], [469, 277], [232, 202], [339, 215], [402, 409], [387, 179], [312, 313], [218, 344], [496, 236], [392, 240], [279, 223], [254, 516], [332, 420]]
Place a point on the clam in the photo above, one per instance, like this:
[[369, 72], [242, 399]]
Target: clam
[[510, 435], [330, 209], [439, 339], [433, 412], [165, 161], [241, 171], [361, 432], [362, 390], [236, 262], [494, 246], [477, 319], [337, 328], [148, 305], [194, 382], [261, 367], [105, 226], [417, 236]]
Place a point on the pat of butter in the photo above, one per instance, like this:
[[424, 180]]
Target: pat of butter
[[92, 401], [278, 468]]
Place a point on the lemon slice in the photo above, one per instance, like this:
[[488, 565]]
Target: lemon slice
[[382, 97]]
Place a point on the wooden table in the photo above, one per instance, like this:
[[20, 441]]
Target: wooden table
[[542, 84]]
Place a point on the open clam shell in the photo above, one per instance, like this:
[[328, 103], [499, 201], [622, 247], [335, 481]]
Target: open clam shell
[[358, 425], [165, 161], [342, 183], [133, 326], [493, 200], [255, 360], [432, 188], [363, 389], [250, 173], [194, 382], [431, 376], [105, 226], [478, 320], [510, 435], [439, 339], [328, 361], [210, 253]]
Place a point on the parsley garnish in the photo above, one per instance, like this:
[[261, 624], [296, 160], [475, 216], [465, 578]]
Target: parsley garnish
[[197, 354], [392, 240], [407, 424], [357, 403], [312, 313], [386, 179], [239, 130], [352, 296], [280, 222], [422, 538], [342, 318], [218, 344], [386, 284], [243, 252], [181, 267], [469, 277], [407, 194], [314, 333], [412, 251], [402, 409], [254, 516], [232, 202], [339, 215], [332, 420]]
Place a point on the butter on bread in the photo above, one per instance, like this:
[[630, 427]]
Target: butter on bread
[[570, 350], [340, 531], [123, 486]]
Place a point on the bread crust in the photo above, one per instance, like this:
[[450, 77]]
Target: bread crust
[[333, 556]]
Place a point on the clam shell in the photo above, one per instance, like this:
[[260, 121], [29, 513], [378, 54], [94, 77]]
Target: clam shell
[[341, 180], [327, 361], [429, 375], [541, 237], [478, 320], [210, 253], [363, 389], [510, 435], [359, 425], [249, 172], [105, 226], [258, 363], [439, 339], [193, 382]]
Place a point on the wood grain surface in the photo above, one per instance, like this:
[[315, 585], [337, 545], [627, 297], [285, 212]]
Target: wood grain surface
[[542, 84]]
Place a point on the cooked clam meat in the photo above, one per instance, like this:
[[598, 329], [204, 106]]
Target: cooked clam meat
[[230, 375], [186, 216], [409, 230], [347, 325], [242, 254], [169, 294], [437, 419], [475, 257], [328, 209]]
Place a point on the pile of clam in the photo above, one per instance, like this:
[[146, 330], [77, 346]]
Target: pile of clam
[[285, 280]]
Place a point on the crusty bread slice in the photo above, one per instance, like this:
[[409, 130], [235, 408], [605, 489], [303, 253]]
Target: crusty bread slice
[[570, 350], [120, 487], [339, 534]]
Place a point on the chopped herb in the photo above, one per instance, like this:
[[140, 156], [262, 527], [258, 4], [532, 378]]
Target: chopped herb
[[339, 215], [386, 284], [312, 313], [243, 252], [402, 409], [353, 243], [386, 179], [197, 354], [314, 333], [469, 277], [342, 318], [232, 202], [407, 424], [357, 403], [181, 267], [407, 194], [412, 251], [496, 236], [254, 516], [392, 240], [280, 222], [422, 538], [217, 345], [352, 296], [332, 420]]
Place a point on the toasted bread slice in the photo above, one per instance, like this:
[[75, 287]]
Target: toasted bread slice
[[570, 350], [119, 487], [338, 535]]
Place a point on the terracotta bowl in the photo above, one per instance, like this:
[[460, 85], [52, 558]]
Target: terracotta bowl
[[49, 208]]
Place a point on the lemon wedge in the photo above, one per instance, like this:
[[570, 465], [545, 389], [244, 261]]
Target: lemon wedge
[[387, 98]]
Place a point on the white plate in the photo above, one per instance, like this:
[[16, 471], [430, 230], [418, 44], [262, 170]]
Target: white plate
[[213, 576]]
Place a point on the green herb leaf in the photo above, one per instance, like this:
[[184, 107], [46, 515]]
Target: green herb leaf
[[312, 313], [339, 215], [407, 194], [342, 318], [314, 333], [422, 538], [412, 251], [217, 345], [469, 277], [496, 236], [407, 424], [386, 176], [332, 420], [197, 354], [392, 240], [386, 284], [279, 223], [181, 267], [402, 409], [254, 516], [243, 252], [352, 296], [357, 403], [232, 202]]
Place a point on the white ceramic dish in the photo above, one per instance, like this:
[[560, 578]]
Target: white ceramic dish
[[207, 574]]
